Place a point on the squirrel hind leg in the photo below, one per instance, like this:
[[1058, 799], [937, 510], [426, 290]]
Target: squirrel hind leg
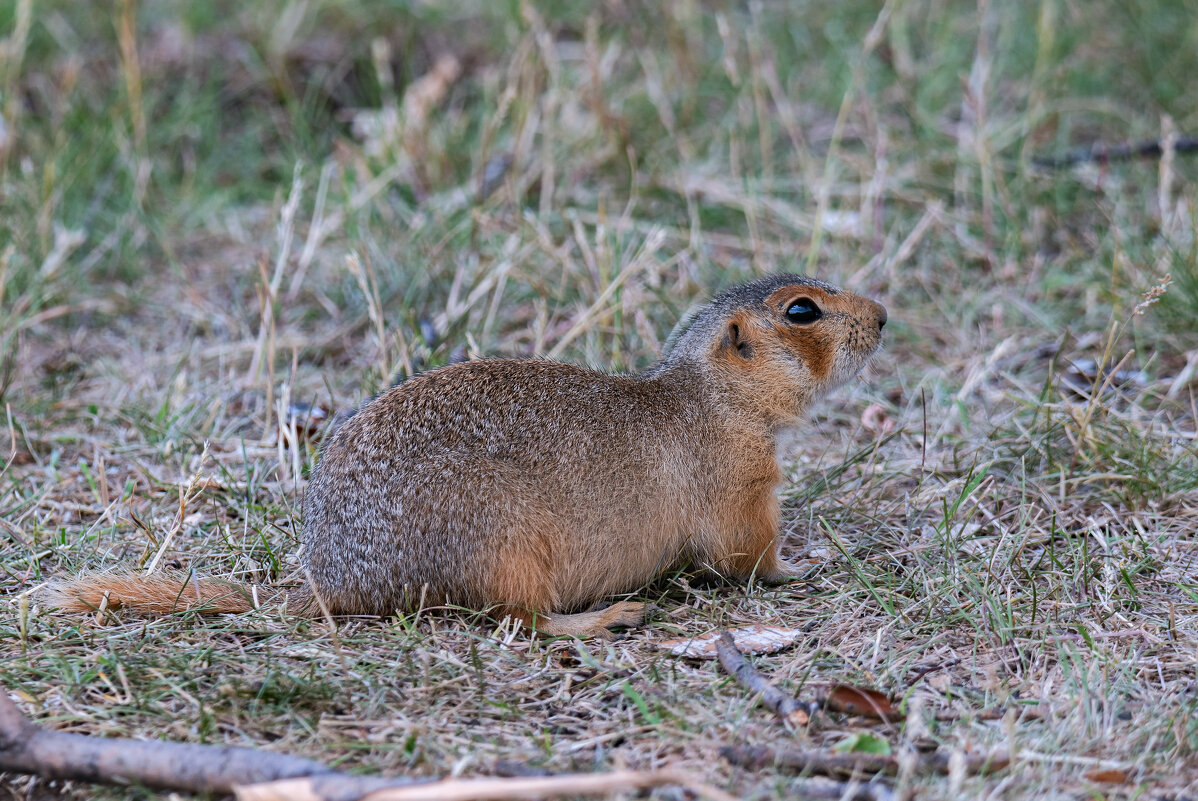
[[597, 623]]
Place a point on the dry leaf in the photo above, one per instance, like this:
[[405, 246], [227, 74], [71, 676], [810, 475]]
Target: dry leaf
[[1108, 775], [755, 639], [876, 420], [850, 700], [306, 418]]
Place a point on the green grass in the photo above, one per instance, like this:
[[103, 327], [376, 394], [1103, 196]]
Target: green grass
[[219, 215]]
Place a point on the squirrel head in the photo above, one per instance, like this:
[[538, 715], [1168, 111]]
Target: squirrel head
[[780, 342]]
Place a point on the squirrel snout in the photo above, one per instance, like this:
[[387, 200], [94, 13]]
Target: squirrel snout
[[881, 314]]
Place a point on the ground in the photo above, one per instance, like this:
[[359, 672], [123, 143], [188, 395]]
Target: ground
[[219, 215]]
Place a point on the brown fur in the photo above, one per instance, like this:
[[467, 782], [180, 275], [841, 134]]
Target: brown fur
[[154, 595], [537, 489]]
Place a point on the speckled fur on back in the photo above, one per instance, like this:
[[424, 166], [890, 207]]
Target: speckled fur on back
[[476, 496], [537, 488]]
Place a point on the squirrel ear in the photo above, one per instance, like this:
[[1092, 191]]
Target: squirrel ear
[[735, 340]]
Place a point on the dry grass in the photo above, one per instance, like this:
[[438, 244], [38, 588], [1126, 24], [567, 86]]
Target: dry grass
[[1008, 547]]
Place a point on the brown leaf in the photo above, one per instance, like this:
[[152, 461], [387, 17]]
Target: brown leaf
[[1108, 775], [755, 639], [851, 700], [306, 419], [876, 420]]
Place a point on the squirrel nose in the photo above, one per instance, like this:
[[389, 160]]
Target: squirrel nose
[[881, 316]]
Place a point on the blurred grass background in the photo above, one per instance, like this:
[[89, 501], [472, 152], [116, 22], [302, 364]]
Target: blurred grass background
[[145, 130]]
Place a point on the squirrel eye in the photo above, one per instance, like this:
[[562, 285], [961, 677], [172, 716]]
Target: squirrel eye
[[803, 310]]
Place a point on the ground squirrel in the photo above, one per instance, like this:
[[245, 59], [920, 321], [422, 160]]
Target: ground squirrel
[[536, 489]]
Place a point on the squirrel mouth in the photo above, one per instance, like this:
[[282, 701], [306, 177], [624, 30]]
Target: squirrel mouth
[[865, 370]]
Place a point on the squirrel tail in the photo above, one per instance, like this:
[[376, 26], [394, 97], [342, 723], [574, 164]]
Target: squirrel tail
[[161, 594]]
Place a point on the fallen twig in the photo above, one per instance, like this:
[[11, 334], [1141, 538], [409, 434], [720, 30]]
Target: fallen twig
[[824, 763], [920, 672], [844, 698], [29, 748], [1023, 712], [1103, 153], [833, 764], [789, 709], [829, 790], [254, 775], [318, 788]]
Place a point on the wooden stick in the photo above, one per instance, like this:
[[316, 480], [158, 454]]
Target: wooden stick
[[833, 764], [829, 790], [28, 748], [1103, 153], [790, 710], [254, 775], [318, 789], [824, 763]]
